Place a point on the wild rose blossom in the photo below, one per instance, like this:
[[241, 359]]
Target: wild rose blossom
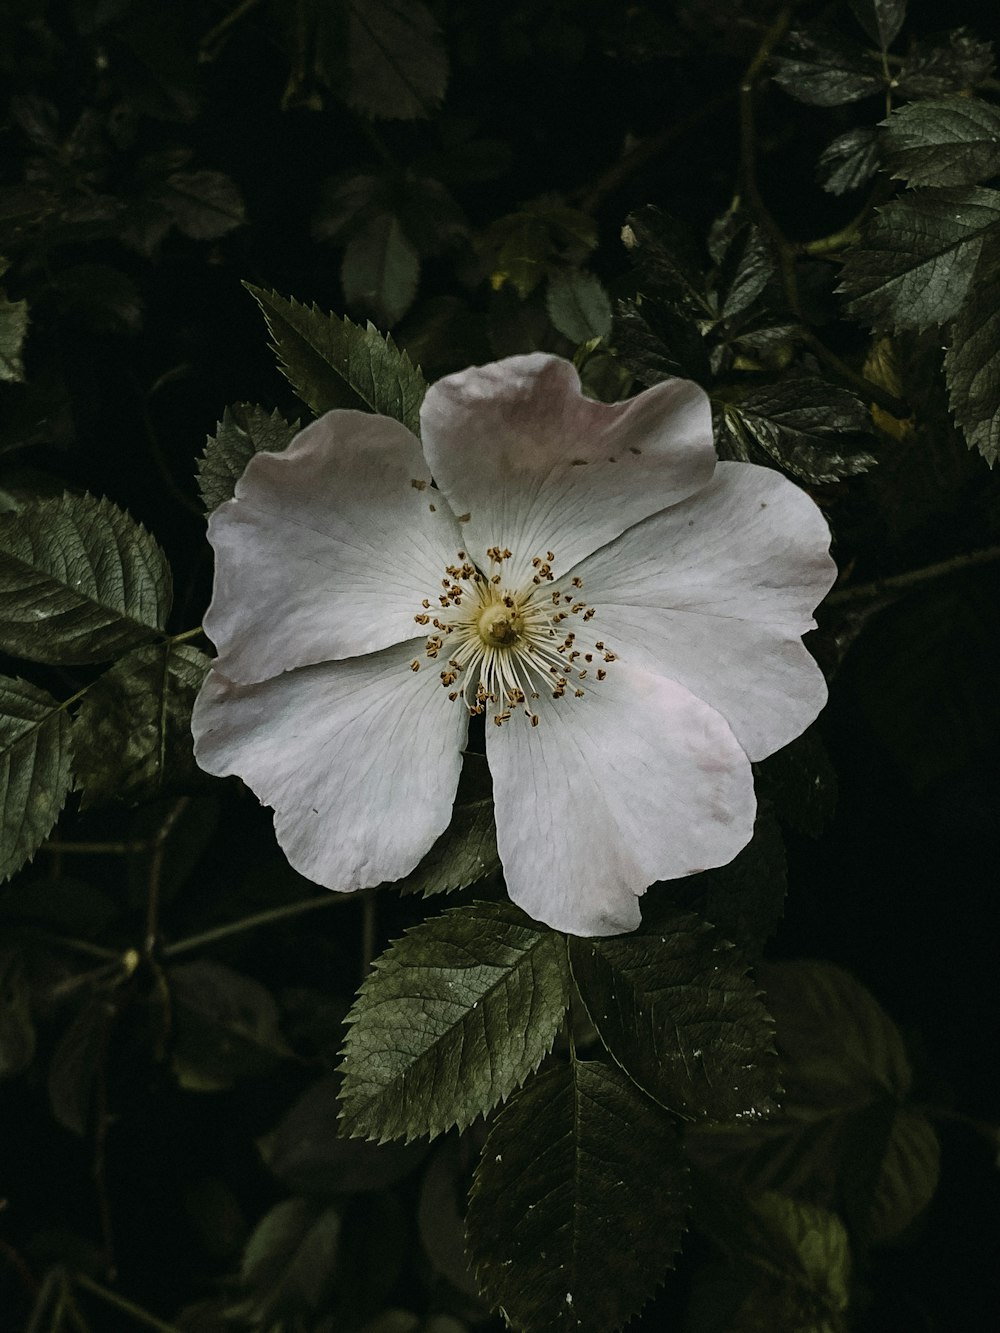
[[625, 612]]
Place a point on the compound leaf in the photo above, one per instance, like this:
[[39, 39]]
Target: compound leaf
[[578, 1204], [824, 69], [386, 58], [454, 1016], [332, 362], [881, 19], [850, 161], [80, 581], [578, 305]]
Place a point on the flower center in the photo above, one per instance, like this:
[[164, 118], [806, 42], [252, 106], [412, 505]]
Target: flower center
[[502, 646]]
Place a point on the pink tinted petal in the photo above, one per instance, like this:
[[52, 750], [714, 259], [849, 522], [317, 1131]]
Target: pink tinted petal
[[716, 592], [359, 759], [635, 782], [327, 549], [540, 468]]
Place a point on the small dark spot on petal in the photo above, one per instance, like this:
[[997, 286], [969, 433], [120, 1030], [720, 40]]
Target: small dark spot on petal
[[633, 450], [432, 508], [464, 518], [577, 462], [417, 484]]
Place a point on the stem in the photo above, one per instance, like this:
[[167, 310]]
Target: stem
[[156, 873], [123, 1303], [912, 578], [368, 906], [862, 386], [211, 44], [260, 919], [188, 634]]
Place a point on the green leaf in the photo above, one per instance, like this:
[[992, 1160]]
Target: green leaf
[[824, 69], [17, 1028], [203, 204], [578, 305], [656, 341], [331, 362], [674, 1006], [132, 735], [13, 328], [843, 1138], [80, 581], [225, 1026], [578, 1204], [850, 161], [464, 854], [101, 297], [244, 430], [881, 19], [667, 259], [380, 269], [745, 270], [76, 1064], [289, 1264], [931, 69], [386, 58], [34, 770], [972, 370], [918, 259], [814, 429], [948, 141], [308, 1155], [452, 1018]]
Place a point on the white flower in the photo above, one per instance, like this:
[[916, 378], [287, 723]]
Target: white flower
[[625, 611]]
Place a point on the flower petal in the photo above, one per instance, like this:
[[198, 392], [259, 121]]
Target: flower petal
[[635, 782], [538, 467], [360, 760], [327, 549], [716, 592]]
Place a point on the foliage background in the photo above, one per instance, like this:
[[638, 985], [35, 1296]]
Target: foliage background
[[154, 159]]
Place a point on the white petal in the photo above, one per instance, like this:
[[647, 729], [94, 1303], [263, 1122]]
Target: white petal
[[360, 760], [716, 592], [538, 467], [637, 781], [327, 549]]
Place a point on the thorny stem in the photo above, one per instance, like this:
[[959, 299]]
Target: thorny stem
[[260, 919], [912, 578]]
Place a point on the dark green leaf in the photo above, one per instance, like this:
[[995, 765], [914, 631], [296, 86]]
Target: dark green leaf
[[289, 1265], [331, 362], [17, 1029], [464, 854], [972, 370], [132, 735], [308, 1155], [386, 58], [101, 297], [244, 430], [674, 1006], [948, 141], [80, 581], [346, 202], [76, 1064], [931, 70], [13, 327], [800, 782], [579, 1202], [850, 161], [453, 1017], [744, 900], [814, 429], [824, 69], [225, 1026], [380, 269], [918, 259], [34, 770], [203, 204], [441, 1210], [656, 341], [841, 1140], [881, 19], [666, 258], [578, 305], [746, 269]]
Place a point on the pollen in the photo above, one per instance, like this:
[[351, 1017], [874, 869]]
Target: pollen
[[505, 644]]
